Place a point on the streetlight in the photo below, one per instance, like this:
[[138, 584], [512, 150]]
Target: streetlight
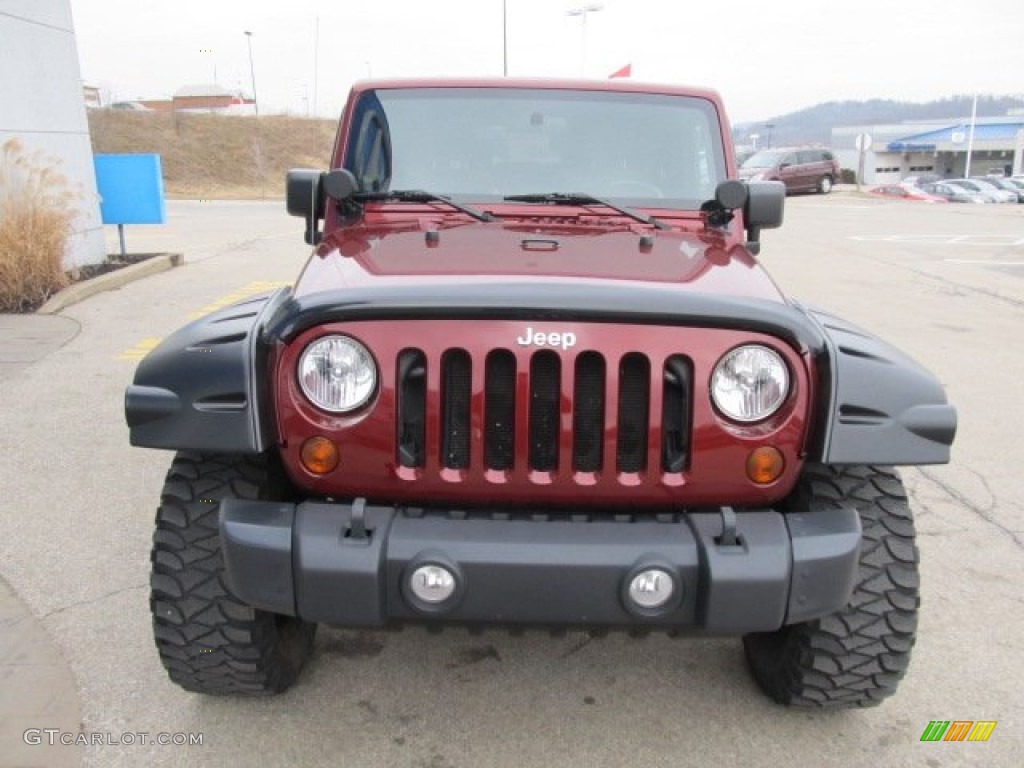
[[256, 106], [252, 75], [582, 12]]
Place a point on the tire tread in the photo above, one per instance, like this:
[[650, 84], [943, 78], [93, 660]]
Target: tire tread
[[856, 657], [208, 640]]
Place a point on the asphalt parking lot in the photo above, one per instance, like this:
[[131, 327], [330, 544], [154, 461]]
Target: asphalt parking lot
[[944, 283]]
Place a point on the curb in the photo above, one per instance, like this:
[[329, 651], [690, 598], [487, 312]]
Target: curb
[[110, 281]]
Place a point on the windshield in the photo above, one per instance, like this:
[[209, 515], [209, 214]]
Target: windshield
[[763, 159], [485, 144]]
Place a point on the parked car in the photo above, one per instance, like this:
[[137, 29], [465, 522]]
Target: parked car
[[742, 155], [921, 180], [980, 187], [1013, 186], [955, 194], [130, 106], [801, 170], [906, 192]]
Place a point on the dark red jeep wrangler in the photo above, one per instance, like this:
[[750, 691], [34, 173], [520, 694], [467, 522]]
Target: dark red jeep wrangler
[[532, 374]]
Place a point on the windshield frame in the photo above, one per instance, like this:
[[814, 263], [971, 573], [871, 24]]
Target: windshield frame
[[701, 114]]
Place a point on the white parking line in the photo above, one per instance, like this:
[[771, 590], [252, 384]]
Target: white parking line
[[984, 240], [992, 262]]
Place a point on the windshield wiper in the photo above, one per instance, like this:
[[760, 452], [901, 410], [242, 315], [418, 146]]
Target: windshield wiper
[[422, 196], [579, 198]]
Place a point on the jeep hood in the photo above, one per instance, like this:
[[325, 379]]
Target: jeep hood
[[495, 252]]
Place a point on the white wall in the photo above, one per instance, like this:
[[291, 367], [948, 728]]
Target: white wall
[[42, 105]]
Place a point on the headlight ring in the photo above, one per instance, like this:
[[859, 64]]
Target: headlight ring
[[337, 374], [750, 383]]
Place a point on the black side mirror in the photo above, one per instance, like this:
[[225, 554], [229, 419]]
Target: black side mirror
[[304, 196], [340, 184], [731, 194], [764, 207]]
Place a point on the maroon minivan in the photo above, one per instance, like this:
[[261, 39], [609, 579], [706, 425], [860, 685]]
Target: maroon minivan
[[801, 170]]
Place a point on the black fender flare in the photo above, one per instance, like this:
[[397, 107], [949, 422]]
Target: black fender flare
[[883, 408], [204, 387]]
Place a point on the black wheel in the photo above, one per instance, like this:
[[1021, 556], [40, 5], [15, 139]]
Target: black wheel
[[856, 657], [209, 641], [825, 185]]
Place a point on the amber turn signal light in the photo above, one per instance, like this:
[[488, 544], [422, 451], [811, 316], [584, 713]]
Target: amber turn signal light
[[765, 465], [319, 455]]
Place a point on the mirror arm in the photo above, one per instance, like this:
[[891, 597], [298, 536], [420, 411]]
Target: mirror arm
[[754, 240]]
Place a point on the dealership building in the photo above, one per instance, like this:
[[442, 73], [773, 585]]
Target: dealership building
[[995, 144], [42, 113]]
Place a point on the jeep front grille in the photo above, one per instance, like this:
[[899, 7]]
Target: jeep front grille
[[583, 414]]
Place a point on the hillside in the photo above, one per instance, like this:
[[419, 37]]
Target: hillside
[[814, 124], [217, 156]]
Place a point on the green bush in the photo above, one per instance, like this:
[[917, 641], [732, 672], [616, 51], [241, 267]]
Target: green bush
[[36, 219]]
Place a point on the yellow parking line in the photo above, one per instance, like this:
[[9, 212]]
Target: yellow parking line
[[143, 347], [140, 349]]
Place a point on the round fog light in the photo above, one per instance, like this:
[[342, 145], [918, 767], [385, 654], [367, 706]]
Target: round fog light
[[651, 588], [432, 584]]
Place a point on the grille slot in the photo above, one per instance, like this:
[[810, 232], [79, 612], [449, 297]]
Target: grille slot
[[676, 414], [545, 393], [411, 417], [634, 396], [499, 409], [588, 413], [456, 373]]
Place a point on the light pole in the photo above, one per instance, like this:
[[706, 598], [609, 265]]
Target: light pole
[[582, 12], [504, 38], [256, 106], [316, 60], [970, 136], [252, 75]]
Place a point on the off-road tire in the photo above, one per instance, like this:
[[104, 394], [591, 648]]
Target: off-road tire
[[825, 185], [209, 641], [856, 657]]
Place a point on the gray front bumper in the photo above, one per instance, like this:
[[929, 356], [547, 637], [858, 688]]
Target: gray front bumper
[[347, 565]]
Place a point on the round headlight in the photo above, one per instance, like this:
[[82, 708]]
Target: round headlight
[[337, 374], [750, 383]]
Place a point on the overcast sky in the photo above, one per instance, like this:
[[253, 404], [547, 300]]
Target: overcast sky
[[765, 57]]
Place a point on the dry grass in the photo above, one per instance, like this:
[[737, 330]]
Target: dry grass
[[36, 219], [211, 156]]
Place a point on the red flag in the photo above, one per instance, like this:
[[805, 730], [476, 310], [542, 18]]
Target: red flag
[[626, 71]]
